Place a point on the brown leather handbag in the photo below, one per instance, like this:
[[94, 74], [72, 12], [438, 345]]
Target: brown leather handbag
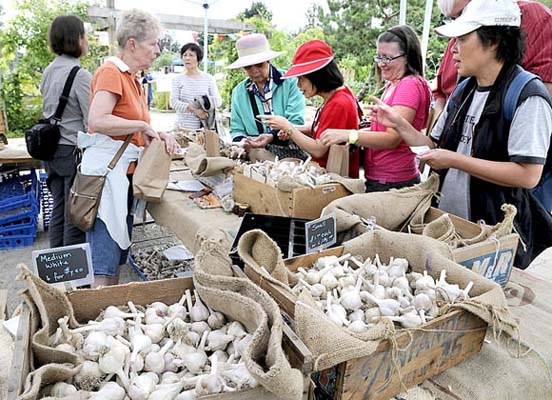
[[86, 192]]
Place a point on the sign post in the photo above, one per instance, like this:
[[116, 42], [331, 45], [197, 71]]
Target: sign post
[[64, 267], [320, 233]]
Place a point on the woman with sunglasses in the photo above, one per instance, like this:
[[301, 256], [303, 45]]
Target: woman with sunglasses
[[388, 161]]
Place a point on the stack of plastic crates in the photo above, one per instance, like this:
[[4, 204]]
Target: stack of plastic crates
[[19, 208], [46, 201]]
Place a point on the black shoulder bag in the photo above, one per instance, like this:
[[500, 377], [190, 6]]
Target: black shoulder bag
[[43, 138]]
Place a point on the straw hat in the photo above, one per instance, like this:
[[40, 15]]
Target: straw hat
[[310, 56], [253, 49]]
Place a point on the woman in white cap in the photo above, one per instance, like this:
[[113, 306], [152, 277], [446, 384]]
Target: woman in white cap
[[318, 75], [484, 159], [263, 92]]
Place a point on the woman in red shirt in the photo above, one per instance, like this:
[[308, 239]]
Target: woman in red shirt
[[318, 75]]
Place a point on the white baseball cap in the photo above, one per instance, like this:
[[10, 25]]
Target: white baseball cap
[[478, 13]]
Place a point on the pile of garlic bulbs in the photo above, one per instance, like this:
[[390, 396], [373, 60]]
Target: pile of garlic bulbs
[[271, 172], [356, 295], [162, 352]]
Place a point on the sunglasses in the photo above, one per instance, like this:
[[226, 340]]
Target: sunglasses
[[385, 59], [259, 65]]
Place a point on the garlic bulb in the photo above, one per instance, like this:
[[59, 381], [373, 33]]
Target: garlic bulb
[[89, 376], [198, 312]]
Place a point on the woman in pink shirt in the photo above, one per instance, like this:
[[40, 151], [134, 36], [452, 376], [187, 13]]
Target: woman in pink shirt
[[389, 162]]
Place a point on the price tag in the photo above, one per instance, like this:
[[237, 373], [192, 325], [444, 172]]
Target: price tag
[[64, 267], [320, 233]]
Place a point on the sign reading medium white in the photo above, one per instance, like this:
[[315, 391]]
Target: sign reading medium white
[[65, 265], [321, 233]]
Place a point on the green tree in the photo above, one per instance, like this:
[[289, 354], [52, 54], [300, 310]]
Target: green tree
[[257, 10], [25, 54], [351, 27]]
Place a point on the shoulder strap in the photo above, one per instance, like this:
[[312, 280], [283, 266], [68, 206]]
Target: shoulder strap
[[255, 109], [119, 153], [461, 85], [65, 94], [513, 93]]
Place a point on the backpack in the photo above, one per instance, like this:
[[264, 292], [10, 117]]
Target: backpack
[[543, 190]]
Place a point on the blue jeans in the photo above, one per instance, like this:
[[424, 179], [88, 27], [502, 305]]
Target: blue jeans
[[107, 256]]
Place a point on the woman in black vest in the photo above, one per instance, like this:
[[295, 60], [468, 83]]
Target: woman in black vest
[[484, 159]]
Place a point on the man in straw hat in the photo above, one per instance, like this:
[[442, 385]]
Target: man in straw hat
[[484, 159], [263, 92]]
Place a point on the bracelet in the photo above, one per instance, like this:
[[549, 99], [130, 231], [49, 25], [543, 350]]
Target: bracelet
[[353, 137]]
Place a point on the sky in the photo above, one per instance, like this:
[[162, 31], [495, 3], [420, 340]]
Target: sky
[[288, 15]]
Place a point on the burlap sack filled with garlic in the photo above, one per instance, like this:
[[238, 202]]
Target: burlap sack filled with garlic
[[47, 305], [331, 344], [392, 210], [243, 301]]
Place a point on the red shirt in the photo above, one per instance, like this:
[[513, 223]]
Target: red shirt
[[536, 22], [340, 112]]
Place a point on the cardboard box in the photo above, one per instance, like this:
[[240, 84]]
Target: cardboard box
[[374, 377], [302, 202], [88, 303], [493, 258]]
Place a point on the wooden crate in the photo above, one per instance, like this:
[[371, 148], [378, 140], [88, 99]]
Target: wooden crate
[[88, 303], [302, 202], [494, 259], [374, 377]]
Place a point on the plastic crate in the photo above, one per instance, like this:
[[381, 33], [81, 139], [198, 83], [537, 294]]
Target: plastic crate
[[18, 215], [25, 229], [11, 242], [287, 232], [46, 201]]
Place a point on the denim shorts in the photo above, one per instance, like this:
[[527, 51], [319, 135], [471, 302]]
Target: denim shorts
[[106, 253]]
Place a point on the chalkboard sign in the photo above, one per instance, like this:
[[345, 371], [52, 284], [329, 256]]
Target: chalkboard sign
[[320, 233], [65, 266]]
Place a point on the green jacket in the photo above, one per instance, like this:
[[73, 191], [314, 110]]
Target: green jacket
[[287, 101]]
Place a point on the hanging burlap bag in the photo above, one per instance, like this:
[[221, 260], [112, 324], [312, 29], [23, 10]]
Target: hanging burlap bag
[[331, 344], [243, 301], [201, 165], [442, 229], [47, 305], [392, 210]]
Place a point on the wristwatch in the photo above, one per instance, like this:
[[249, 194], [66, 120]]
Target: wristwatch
[[353, 136]]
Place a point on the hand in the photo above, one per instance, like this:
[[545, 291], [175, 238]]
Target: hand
[[334, 136], [149, 133], [384, 114], [258, 142], [275, 122], [171, 145], [440, 158], [201, 114]]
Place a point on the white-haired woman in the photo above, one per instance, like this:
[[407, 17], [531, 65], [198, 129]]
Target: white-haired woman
[[119, 108]]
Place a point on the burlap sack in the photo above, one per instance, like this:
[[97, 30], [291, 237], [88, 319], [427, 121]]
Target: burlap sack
[[152, 173], [259, 251], [201, 165], [423, 253], [442, 229], [243, 301], [45, 375], [49, 364], [393, 209], [503, 228]]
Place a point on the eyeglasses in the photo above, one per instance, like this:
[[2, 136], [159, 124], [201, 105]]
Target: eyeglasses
[[259, 65], [385, 59]]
